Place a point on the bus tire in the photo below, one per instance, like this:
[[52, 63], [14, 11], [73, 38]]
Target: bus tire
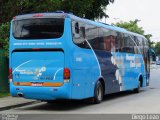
[[50, 101], [98, 93], [138, 89]]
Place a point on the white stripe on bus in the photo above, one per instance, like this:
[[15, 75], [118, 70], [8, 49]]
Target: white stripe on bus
[[95, 57], [21, 65]]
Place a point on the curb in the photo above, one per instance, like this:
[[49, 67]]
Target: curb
[[18, 105]]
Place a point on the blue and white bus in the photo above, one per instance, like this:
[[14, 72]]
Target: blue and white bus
[[61, 56]]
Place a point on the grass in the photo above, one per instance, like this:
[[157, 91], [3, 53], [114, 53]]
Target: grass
[[4, 94]]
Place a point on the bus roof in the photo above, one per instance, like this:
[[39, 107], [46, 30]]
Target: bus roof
[[61, 14]]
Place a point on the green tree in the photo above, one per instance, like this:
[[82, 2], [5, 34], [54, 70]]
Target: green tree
[[133, 27], [157, 48], [4, 37], [151, 43], [91, 9], [11, 8]]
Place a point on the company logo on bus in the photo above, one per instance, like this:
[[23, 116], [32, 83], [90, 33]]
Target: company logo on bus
[[37, 72]]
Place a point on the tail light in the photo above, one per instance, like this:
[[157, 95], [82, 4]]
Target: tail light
[[10, 74], [66, 74]]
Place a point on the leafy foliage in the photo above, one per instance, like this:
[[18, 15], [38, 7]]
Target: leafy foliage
[[11, 8], [151, 43], [4, 37], [157, 48], [91, 9], [131, 26]]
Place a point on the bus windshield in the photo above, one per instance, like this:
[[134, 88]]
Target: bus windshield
[[38, 28]]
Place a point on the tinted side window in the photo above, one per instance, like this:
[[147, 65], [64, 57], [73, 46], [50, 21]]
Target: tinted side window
[[141, 45], [92, 36], [113, 36], [78, 37], [119, 41], [145, 48], [128, 44], [131, 43], [136, 40], [99, 38], [107, 39]]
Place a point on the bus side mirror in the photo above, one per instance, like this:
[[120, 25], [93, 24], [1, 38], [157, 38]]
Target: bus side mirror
[[77, 27], [82, 29]]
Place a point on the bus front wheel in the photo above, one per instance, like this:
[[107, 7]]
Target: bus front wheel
[[98, 93]]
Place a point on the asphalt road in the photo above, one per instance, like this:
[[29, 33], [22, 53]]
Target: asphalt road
[[147, 101]]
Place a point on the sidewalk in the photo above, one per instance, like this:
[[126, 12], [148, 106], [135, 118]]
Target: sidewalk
[[12, 102]]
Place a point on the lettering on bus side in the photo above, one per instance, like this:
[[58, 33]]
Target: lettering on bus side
[[36, 43]]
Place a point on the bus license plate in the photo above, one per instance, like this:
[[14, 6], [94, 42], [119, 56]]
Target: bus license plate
[[37, 84]]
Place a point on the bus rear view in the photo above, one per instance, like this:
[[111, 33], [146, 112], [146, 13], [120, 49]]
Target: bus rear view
[[62, 56], [37, 54]]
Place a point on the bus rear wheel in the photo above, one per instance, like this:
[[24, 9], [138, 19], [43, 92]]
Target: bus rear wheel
[[98, 93], [138, 89]]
